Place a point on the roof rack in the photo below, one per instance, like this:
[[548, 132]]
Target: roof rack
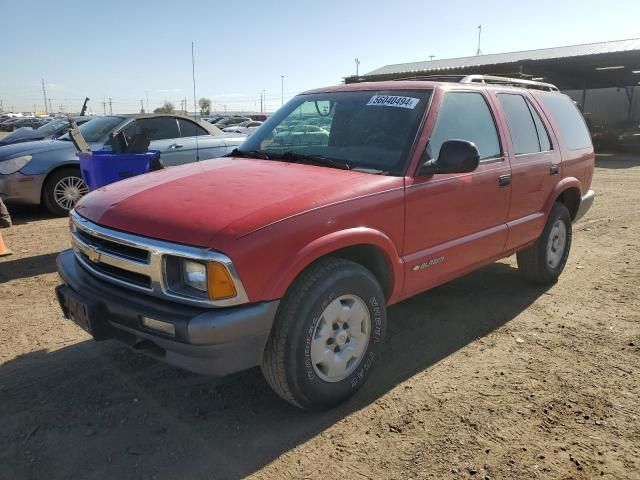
[[485, 80], [516, 82]]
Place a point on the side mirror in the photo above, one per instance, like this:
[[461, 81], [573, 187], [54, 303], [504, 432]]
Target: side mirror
[[456, 156]]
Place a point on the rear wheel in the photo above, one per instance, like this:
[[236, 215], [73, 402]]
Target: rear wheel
[[544, 261], [327, 335], [62, 190]]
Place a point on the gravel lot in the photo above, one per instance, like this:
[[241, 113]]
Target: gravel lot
[[485, 377]]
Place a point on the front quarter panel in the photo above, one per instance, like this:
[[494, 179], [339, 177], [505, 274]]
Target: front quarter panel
[[269, 259]]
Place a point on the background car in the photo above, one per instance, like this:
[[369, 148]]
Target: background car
[[629, 140], [244, 127], [47, 171], [52, 129], [308, 134], [230, 121]]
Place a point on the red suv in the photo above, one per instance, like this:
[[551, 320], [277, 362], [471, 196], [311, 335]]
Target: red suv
[[287, 253]]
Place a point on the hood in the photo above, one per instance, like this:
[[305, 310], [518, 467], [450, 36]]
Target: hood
[[23, 135], [30, 148], [193, 203]]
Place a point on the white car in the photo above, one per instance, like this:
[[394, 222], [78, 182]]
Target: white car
[[245, 127]]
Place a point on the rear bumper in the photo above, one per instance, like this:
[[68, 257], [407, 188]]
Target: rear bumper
[[585, 204], [207, 341]]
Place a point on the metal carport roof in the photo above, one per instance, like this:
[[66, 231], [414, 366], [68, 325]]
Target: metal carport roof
[[571, 67]]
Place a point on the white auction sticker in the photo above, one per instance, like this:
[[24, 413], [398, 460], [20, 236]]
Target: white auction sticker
[[393, 101]]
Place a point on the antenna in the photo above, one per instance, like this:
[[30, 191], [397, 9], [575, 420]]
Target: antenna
[[479, 52], [195, 111], [44, 93]]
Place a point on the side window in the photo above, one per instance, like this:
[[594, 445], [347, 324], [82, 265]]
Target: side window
[[567, 117], [524, 135], [190, 129], [465, 116], [543, 135], [160, 128]]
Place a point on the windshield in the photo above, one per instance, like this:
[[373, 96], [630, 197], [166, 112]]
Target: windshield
[[371, 129], [53, 126], [96, 129]]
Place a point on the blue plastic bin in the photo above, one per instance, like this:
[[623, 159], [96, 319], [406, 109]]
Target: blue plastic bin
[[101, 168]]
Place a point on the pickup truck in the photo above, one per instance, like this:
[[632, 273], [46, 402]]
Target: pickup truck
[[286, 255]]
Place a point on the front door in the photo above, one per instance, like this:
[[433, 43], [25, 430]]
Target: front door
[[455, 222]]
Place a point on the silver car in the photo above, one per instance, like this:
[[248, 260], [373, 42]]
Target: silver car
[[48, 172]]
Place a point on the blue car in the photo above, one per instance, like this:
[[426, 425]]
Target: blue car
[[47, 171]]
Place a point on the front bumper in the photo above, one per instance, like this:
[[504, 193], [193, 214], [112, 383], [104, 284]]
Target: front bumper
[[585, 204], [20, 188], [208, 341]]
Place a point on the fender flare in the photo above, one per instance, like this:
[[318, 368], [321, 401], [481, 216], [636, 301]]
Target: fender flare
[[332, 242], [561, 186]]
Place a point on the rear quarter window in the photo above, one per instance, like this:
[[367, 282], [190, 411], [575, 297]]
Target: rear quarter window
[[568, 119]]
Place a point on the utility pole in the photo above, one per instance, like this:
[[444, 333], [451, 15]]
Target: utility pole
[[357, 67], [141, 107], [282, 89], [147, 94], [479, 52], [110, 106], [44, 94], [50, 107], [61, 108], [1, 109], [264, 99], [261, 111], [104, 105], [431, 57]]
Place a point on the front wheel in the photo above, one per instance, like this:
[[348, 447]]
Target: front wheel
[[327, 335], [62, 190], [544, 261]]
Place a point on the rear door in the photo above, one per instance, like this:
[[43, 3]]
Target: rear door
[[196, 143], [535, 167], [455, 222]]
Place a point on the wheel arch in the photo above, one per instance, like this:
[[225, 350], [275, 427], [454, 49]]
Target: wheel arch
[[368, 247], [54, 170], [568, 192]]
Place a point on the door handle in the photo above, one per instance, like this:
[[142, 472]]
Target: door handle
[[553, 170], [504, 180], [173, 146]]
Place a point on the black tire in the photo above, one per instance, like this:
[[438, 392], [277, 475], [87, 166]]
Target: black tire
[[287, 364], [48, 191], [534, 262]]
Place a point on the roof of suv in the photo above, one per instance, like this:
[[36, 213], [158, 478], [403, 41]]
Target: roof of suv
[[425, 84]]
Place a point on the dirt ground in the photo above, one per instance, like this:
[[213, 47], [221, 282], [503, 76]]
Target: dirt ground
[[485, 377]]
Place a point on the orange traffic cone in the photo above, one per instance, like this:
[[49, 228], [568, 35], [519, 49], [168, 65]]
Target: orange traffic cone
[[4, 251]]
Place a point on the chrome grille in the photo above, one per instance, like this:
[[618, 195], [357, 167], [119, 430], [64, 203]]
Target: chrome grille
[[139, 263]]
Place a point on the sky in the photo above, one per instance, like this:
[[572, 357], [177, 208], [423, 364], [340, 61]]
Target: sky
[[132, 50]]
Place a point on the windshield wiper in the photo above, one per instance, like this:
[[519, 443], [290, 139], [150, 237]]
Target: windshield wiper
[[236, 152], [318, 159]]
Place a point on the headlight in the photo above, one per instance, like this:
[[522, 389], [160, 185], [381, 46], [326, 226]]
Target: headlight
[[194, 274], [210, 278], [14, 164]]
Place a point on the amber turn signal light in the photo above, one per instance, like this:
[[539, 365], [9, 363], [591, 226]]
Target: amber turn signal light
[[219, 282]]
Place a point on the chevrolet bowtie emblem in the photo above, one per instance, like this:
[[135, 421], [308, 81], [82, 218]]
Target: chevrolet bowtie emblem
[[93, 255]]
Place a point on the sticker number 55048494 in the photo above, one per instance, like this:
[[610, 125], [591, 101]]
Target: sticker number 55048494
[[393, 101]]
